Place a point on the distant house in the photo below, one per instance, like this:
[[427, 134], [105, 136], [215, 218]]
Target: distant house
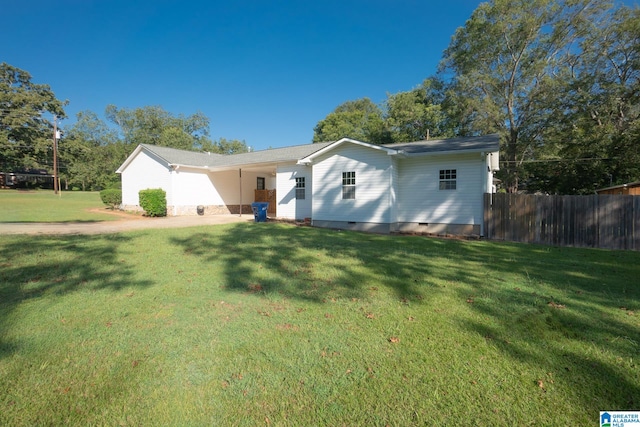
[[631, 188], [26, 178], [432, 186]]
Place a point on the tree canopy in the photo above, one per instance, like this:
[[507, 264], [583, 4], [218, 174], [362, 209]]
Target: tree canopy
[[404, 116], [93, 149], [417, 114], [504, 60], [592, 128], [558, 79], [153, 125], [360, 119], [26, 133]]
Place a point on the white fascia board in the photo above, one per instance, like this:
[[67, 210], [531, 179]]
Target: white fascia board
[[309, 159], [129, 159]]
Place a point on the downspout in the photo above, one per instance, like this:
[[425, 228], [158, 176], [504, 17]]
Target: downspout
[[240, 173], [483, 158], [173, 189], [393, 214]]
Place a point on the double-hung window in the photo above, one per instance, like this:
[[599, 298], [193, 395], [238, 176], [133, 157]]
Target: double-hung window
[[448, 178], [348, 185], [300, 188]]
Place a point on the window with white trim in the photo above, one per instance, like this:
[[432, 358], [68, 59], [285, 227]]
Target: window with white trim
[[348, 185], [300, 188], [448, 178]]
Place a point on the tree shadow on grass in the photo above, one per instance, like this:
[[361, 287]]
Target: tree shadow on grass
[[310, 264], [557, 309], [572, 313], [53, 266]]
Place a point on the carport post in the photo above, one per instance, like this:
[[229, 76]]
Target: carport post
[[240, 172]]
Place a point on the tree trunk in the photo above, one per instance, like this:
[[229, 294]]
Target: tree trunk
[[511, 168]]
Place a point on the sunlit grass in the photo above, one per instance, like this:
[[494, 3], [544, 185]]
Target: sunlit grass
[[45, 206], [269, 324]]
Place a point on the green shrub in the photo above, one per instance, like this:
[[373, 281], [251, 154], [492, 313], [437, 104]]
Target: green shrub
[[111, 197], [153, 201]]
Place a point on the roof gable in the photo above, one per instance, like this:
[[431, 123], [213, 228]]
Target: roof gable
[[333, 145]]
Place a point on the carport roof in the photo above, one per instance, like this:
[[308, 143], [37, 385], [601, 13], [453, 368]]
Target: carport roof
[[214, 161], [273, 155]]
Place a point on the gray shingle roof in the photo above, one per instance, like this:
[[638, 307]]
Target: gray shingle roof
[[174, 156], [474, 143], [273, 155]]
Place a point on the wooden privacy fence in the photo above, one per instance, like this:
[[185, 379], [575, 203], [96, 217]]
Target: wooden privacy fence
[[596, 221]]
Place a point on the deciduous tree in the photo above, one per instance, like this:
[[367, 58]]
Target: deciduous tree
[[360, 119], [26, 132], [155, 126], [226, 146], [417, 114], [503, 60]]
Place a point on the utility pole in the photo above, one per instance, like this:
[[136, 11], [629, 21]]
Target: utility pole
[[55, 155]]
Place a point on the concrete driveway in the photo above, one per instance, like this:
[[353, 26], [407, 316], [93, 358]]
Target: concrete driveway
[[126, 224]]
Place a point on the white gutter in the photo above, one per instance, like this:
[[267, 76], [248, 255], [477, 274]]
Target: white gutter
[[177, 166], [442, 153]]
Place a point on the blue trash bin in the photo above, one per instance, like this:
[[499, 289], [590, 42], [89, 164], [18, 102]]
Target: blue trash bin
[[260, 211]]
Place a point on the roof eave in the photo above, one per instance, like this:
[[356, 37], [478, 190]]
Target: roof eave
[[449, 152], [626, 185]]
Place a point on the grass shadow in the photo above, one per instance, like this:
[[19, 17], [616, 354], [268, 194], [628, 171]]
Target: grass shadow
[[576, 305], [283, 259], [58, 265], [570, 312]]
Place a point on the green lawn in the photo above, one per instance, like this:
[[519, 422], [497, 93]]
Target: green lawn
[[44, 206], [270, 324]]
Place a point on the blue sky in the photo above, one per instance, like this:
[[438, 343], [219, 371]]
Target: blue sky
[[262, 71]]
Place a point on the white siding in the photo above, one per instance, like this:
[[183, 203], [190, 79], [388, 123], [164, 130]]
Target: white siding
[[144, 172], [288, 206], [373, 177], [195, 187], [421, 201]]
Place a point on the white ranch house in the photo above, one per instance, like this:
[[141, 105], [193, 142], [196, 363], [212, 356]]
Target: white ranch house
[[433, 186]]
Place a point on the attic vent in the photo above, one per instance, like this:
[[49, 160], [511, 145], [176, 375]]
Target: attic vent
[[423, 223], [351, 222]]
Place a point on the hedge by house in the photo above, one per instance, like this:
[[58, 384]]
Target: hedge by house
[[111, 197], [153, 201]]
